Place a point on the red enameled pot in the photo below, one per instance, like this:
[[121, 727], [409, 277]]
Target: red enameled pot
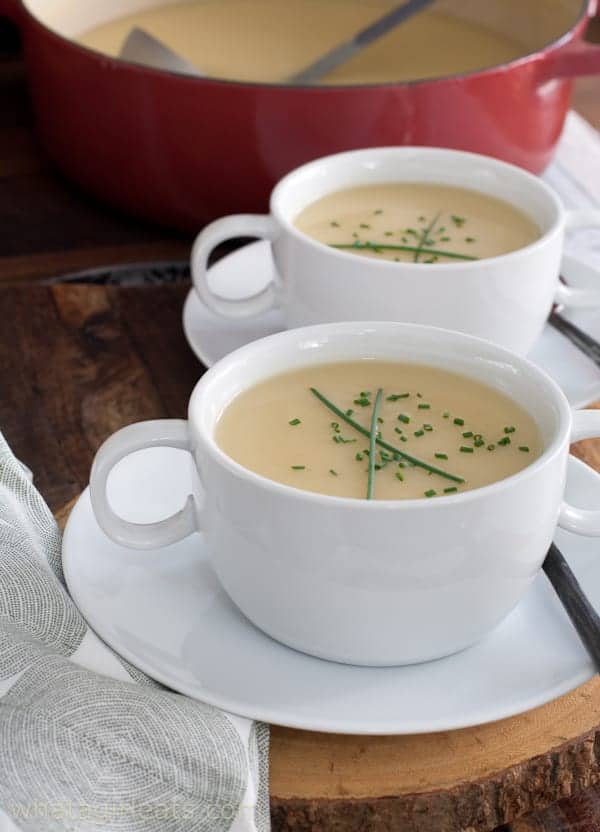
[[182, 150]]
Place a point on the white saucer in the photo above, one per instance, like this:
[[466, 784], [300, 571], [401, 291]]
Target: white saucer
[[250, 268], [165, 612]]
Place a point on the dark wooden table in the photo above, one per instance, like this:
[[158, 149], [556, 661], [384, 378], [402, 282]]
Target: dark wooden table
[[78, 361]]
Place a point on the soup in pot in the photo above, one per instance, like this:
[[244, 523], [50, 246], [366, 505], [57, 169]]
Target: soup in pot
[[270, 40]]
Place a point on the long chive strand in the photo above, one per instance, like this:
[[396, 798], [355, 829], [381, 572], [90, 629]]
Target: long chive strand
[[425, 236], [372, 444], [389, 247], [415, 461]]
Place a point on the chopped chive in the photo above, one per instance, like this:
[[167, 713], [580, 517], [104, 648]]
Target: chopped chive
[[294, 422], [427, 427], [458, 221], [504, 441], [339, 440], [400, 476], [459, 422], [334, 224], [450, 490], [388, 233], [403, 439], [467, 434], [398, 430], [335, 426], [372, 444], [419, 433], [359, 457], [424, 406], [510, 429], [378, 211], [334, 473], [524, 448], [469, 239], [395, 396], [441, 456], [361, 429], [298, 467], [363, 225], [419, 395], [491, 447], [402, 417], [444, 239], [431, 493], [363, 401], [465, 450], [349, 412], [446, 414], [479, 443], [380, 420]]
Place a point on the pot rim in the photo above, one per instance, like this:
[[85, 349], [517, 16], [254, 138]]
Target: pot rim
[[115, 62]]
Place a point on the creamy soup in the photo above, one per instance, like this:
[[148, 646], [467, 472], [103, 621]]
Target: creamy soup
[[417, 222], [443, 433], [270, 40]]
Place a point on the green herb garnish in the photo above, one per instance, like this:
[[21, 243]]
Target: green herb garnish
[[395, 396], [298, 467], [424, 406], [441, 456], [378, 247], [417, 462], [504, 441], [450, 490], [459, 422], [431, 493], [524, 448], [372, 447], [294, 422], [402, 417], [465, 450]]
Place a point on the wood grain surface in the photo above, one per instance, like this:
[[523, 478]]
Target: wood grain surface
[[77, 362]]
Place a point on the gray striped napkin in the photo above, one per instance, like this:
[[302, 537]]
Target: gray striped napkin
[[87, 742]]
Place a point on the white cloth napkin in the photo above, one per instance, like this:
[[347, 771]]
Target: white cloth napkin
[[88, 742], [575, 175]]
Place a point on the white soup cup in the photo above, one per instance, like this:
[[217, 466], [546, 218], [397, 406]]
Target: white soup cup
[[365, 582], [505, 299]]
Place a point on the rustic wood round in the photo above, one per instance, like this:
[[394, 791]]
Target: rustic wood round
[[471, 780]]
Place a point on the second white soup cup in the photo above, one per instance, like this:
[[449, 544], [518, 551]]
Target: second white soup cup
[[364, 581], [505, 299]]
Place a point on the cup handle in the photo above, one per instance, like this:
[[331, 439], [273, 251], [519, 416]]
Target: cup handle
[[170, 433], [586, 425], [227, 228], [571, 267]]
